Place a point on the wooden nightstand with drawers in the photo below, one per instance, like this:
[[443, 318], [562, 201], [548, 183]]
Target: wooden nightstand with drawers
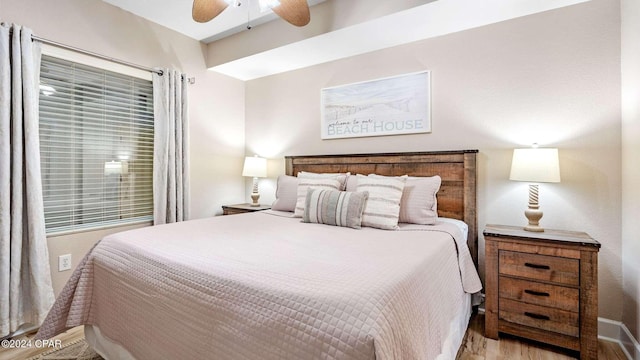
[[242, 209], [542, 286]]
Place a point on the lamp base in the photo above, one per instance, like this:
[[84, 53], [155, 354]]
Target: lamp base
[[534, 214], [534, 228], [254, 198]]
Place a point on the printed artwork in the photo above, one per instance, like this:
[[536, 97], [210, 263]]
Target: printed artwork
[[388, 106]]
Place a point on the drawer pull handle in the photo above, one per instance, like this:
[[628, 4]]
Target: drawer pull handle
[[536, 293], [536, 266], [537, 316]]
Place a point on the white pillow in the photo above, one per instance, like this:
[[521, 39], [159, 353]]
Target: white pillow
[[312, 183], [382, 209], [342, 177], [352, 183], [286, 193], [419, 204]]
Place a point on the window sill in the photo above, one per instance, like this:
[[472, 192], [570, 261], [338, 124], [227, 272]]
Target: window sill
[[97, 228]]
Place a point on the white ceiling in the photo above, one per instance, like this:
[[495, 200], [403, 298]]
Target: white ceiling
[[176, 15], [436, 18]]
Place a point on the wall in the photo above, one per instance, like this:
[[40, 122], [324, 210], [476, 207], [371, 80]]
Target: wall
[[630, 10], [551, 78], [216, 102]]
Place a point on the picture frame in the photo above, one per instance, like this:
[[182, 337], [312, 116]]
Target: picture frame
[[394, 105]]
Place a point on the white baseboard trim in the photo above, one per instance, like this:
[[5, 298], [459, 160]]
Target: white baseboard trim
[[618, 332], [609, 329], [630, 344]]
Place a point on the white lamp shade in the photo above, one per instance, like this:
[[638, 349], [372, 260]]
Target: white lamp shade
[[254, 167], [535, 165]]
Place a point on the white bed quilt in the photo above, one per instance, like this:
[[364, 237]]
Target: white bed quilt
[[259, 286]]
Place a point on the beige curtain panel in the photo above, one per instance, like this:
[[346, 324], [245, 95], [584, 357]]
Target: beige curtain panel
[[170, 160], [26, 294]]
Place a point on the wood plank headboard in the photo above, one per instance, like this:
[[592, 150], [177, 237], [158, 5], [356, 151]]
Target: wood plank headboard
[[457, 195]]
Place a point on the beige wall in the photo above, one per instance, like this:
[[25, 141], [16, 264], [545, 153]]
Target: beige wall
[[630, 165], [551, 78], [77, 244], [216, 102]]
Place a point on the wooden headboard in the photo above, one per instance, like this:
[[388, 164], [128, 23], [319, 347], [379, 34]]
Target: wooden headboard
[[457, 195]]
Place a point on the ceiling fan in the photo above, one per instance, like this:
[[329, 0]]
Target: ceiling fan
[[295, 12]]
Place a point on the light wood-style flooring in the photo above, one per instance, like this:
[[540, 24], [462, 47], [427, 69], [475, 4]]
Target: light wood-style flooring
[[71, 335], [474, 347]]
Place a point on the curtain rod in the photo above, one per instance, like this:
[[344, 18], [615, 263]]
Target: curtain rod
[[90, 53], [191, 80]]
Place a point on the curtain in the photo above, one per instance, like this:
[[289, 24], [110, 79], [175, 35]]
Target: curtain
[[170, 160], [26, 294]]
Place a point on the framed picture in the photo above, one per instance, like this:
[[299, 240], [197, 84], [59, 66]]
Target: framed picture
[[388, 106]]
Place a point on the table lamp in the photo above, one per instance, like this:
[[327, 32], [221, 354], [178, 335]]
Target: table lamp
[[535, 165], [255, 167]]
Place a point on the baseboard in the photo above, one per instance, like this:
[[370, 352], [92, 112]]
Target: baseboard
[[618, 332], [609, 330], [630, 344]]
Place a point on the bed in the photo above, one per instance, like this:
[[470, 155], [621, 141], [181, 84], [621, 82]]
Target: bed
[[265, 285]]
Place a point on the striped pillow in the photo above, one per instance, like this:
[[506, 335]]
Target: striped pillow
[[331, 207], [419, 204], [342, 177], [383, 206], [315, 183]]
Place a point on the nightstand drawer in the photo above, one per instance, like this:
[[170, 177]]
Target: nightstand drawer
[[540, 267], [531, 292], [544, 318]]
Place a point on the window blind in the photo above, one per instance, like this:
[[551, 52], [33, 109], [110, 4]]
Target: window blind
[[96, 146]]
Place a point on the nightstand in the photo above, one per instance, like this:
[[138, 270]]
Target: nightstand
[[242, 208], [542, 286]]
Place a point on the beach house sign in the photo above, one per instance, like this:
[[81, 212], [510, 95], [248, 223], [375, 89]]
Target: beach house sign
[[388, 106]]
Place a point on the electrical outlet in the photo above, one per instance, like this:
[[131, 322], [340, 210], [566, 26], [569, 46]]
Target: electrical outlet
[[64, 262]]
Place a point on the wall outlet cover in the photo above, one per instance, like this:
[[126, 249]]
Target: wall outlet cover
[[64, 262]]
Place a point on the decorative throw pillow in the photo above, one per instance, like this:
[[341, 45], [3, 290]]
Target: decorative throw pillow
[[419, 204], [314, 183], [342, 177], [352, 183], [332, 207], [383, 206], [286, 193]]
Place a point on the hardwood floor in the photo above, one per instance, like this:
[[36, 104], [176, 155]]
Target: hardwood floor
[[70, 336], [474, 347]]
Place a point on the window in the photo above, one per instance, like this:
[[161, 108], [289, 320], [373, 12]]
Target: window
[[96, 146]]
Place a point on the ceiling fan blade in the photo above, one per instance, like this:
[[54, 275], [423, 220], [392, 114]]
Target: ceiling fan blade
[[205, 10], [295, 12]]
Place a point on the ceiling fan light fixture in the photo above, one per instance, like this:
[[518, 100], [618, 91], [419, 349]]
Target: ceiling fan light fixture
[[266, 5], [235, 3], [295, 12]]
